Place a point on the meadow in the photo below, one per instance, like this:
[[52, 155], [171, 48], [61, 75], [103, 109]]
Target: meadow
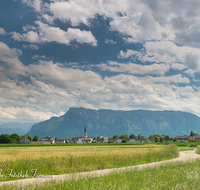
[[53, 160], [176, 176]]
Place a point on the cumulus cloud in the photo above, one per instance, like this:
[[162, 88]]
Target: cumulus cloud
[[33, 3], [2, 31], [107, 41], [154, 69], [51, 87], [138, 20], [24, 114], [166, 52], [48, 33]]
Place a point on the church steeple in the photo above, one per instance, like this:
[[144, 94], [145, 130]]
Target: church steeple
[[85, 132]]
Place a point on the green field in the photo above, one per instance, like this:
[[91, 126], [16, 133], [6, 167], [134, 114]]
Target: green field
[[53, 160], [176, 176]]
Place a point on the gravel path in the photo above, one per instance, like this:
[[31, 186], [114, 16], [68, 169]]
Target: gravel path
[[185, 156]]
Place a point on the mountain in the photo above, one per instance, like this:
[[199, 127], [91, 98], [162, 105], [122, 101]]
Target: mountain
[[109, 122], [15, 127]]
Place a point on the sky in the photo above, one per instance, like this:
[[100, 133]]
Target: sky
[[98, 54]]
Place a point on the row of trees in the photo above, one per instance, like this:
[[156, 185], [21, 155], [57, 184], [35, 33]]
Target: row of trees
[[15, 138], [157, 137]]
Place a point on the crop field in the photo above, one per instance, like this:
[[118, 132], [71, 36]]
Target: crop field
[[52, 160]]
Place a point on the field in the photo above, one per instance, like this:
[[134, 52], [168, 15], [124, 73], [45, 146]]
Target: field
[[52, 160], [176, 176]]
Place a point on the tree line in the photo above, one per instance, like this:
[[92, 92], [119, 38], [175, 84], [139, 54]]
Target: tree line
[[15, 138]]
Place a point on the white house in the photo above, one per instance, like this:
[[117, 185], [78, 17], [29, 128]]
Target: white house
[[119, 140], [60, 141], [131, 140], [25, 141], [50, 139]]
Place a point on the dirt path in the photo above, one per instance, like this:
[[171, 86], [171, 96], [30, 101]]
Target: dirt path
[[185, 156]]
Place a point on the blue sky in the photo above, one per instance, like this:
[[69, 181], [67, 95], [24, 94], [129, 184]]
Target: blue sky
[[101, 54]]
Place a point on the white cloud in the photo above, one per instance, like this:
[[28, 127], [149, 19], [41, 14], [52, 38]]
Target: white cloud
[[24, 114], [33, 3], [154, 69], [2, 31], [166, 52], [48, 33], [138, 20], [31, 46], [52, 87], [30, 36], [107, 41]]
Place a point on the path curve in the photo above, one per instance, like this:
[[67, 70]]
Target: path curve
[[185, 156]]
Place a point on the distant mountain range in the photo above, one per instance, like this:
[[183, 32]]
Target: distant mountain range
[[15, 127], [109, 122]]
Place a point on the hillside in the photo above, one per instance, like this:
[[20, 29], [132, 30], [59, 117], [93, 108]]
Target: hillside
[[110, 122]]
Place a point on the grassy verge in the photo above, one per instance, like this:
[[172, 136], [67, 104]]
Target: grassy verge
[[72, 162], [198, 149], [176, 176], [185, 148]]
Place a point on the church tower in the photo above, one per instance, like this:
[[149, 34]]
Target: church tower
[[85, 132]]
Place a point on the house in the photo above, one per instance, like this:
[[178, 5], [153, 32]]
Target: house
[[168, 140], [150, 140], [39, 142], [86, 140], [100, 140], [196, 138], [131, 140], [105, 139], [50, 139], [112, 140], [119, 140], [182, 139], [25, 141], [60, 141], [139, 140], [73, 141]]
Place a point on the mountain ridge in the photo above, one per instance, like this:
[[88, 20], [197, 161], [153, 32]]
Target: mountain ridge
[[111, 122]]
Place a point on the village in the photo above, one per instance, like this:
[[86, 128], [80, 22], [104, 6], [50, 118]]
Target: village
[[101, 139]]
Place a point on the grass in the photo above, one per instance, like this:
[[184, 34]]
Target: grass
[[198, 149], [185, 148], [176, 176], [62, 160]]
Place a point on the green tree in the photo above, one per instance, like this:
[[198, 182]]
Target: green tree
[[156, 135], [35, 138], [123, 136], [151, 136], [123, 140], [167, 137], [192, 134], [132, 136], [115, 137], [29, 137], [15, 136], [109, 137], [4, 138], [139, 136], [13, 141], [161, 139], [143, 137], [156, 139]]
